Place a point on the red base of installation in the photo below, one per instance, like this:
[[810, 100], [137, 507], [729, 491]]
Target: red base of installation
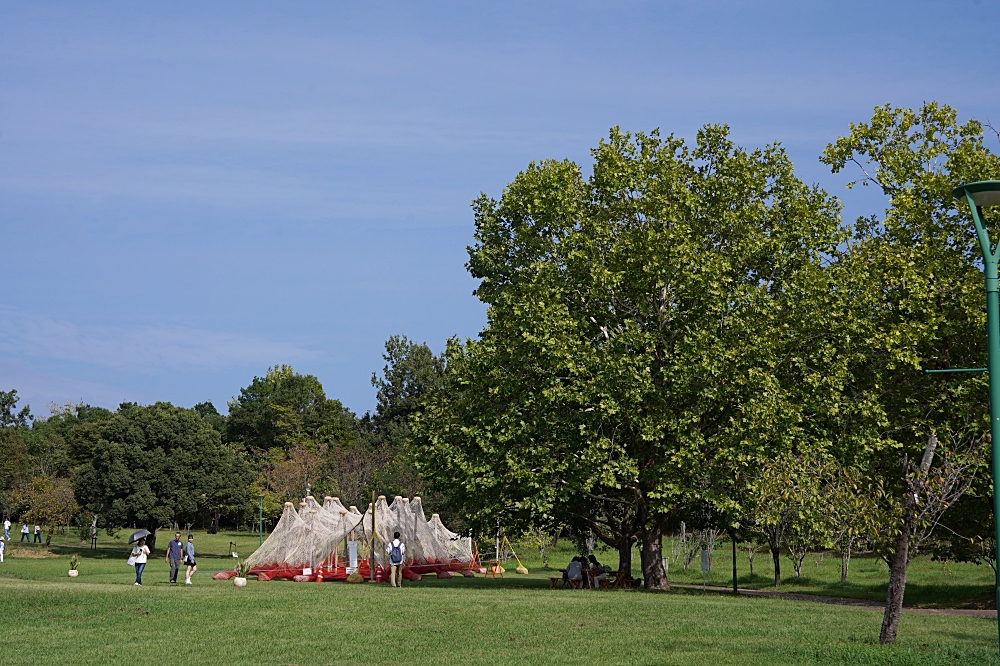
[[412, 572]]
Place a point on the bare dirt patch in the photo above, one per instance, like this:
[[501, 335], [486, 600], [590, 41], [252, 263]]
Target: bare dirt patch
[[31, 554]]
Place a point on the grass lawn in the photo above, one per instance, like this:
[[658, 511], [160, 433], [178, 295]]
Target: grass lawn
[[929, 584], [101, 618]]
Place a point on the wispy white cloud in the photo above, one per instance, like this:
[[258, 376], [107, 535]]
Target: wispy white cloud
[[147, 348], [38, 388]]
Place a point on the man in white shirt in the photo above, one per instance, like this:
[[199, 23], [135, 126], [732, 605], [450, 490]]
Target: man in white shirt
[[395, 549], [6, 529]]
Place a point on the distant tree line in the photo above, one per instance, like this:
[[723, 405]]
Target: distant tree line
[[160, 465]]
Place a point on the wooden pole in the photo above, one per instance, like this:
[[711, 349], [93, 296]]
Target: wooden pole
[[371, 558]]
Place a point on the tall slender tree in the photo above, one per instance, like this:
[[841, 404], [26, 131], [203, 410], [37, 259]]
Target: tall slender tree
[[916, 299]]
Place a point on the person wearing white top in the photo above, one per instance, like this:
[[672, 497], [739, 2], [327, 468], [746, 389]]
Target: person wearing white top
[[395, 549], [139, 554], [3, 547], [6, 529], [189, 559]]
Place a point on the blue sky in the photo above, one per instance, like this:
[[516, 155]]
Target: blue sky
[[192, 192]]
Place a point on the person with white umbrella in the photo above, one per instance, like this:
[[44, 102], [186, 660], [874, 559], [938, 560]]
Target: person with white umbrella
[[139, 553]]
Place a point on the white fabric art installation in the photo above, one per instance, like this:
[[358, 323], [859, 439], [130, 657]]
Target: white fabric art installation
[[314, 539]]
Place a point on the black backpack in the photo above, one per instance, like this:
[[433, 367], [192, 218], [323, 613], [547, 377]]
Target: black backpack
[[396, 555]]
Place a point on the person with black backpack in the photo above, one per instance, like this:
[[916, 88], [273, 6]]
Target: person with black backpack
[[395, 549]]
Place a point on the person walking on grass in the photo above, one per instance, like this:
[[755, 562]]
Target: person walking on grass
[[38, 533], [6, 529], [173, 556], [139, 555], [395, 549], [189, 559], [25, 533]]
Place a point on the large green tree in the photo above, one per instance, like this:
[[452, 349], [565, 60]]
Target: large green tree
[[298, 438], [15, 468], [411, 372], [650, 331], [916, 300], [153, 465]]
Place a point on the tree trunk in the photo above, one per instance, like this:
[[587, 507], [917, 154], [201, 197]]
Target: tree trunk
[[845, 560], [651, 551], [625, 554], [151, 539], [897, 574], [750, 554], [776, 559], [798, 552]]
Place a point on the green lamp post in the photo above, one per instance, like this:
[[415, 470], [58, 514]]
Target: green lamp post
[[980, 195]]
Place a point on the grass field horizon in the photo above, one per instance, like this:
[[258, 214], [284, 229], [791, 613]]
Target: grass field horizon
[[100, 617]]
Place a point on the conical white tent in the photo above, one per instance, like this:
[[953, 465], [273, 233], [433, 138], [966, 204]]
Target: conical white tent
[[456, 546], [310, 538]]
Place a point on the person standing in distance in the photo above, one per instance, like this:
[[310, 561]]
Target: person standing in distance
[[395, 549], [25, 533], [139, 554], [6, 529], [173, 556], [189, 559], [38, 533]]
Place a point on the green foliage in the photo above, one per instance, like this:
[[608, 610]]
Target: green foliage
[[13, 450], [157, 464], [411, 372], [10, 416], [242, 568], [254, 415], [296, 436], [653, 333], [915, 287]]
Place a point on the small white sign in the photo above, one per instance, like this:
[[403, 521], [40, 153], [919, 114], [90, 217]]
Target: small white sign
[[307, 571], [352, 554]]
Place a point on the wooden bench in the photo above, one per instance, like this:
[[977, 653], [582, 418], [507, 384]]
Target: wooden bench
[[622, 581]]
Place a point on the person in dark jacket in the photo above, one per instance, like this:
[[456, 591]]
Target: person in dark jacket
[[173, 556]]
